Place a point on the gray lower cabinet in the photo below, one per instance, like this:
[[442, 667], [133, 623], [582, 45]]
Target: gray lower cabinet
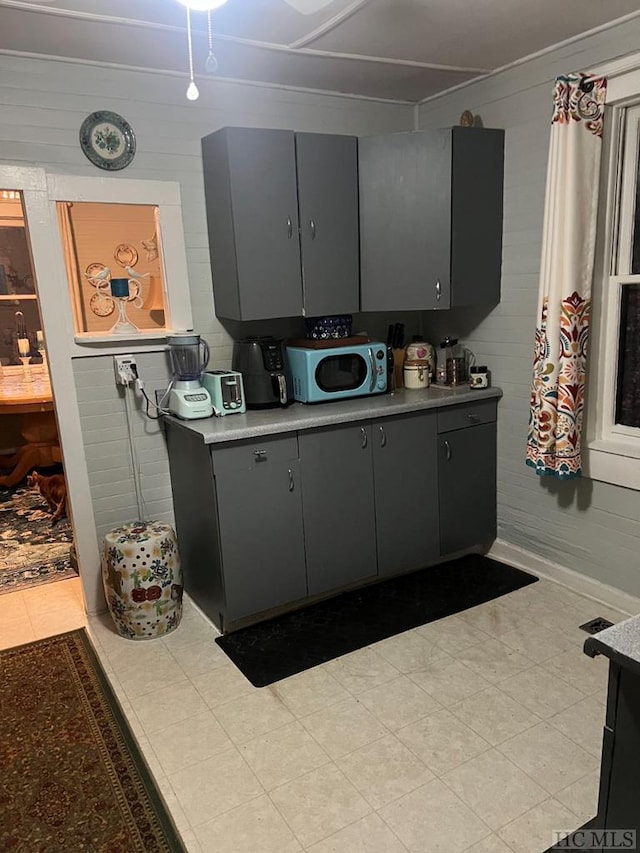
[[338, 504], [282, 214], [467, 476], [431, 218], [261, 537], [405, 469]]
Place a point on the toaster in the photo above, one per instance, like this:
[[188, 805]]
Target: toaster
[[226, 391]]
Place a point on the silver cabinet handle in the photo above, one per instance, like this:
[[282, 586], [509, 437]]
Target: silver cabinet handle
[[475, 419], [383, 437], [260, 455], [438, 290], [312, 225], [291, 482], [448, 449], [289, 228], [363, 433]]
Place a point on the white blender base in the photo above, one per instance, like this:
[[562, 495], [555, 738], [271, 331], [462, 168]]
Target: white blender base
[[190, 403]]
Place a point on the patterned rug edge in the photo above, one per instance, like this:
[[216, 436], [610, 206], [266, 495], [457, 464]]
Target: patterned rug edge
[[164, 820], [15, 580]]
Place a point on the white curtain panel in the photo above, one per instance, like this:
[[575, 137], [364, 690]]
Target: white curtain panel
[[566, 272]]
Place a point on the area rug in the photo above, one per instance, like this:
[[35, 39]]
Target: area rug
[[32, 552], [286, 645], [72, 776]]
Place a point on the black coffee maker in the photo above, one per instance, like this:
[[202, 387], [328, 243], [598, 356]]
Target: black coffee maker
[[261, 361]]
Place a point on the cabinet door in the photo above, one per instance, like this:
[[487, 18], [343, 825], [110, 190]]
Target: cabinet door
[[261, 538], [337, 499], [250, 188], [405, 470], [405, 203], [467, 487], [329, 237]]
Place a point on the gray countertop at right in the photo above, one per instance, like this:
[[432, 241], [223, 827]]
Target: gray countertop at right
[[620, 643]]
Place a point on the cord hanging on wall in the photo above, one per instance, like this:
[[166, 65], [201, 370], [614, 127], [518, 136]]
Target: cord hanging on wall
[[211, 63]]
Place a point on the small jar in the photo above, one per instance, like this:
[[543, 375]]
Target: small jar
[[415, 374], [479, 376]]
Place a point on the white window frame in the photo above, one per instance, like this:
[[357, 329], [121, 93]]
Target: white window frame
[[165, 195], [611, 452]]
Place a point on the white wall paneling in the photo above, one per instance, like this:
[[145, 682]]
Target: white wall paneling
[[587, 527]]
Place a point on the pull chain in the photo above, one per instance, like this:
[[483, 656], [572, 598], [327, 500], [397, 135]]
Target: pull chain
[[211, 63], [192, 92]]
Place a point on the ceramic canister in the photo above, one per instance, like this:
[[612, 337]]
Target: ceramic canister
[[416, 374]]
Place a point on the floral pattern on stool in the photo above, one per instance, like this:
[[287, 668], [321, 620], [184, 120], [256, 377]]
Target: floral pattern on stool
[[142, 579]]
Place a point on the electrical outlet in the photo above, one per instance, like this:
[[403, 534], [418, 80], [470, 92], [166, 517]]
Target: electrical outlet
[[126, 369]]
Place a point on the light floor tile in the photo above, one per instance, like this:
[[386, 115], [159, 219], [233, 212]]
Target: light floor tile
[[581, 797], [369, 835], [344, 727], [493, 661], [448, 681], [149, 756], [214, 786], [193, 628], [161, 708], [534, 644], [16, 634], [283, 755], [494, 618], [59, 595], [361, 670], [452, 634], [399, 702], [494, 788], [541, 692], [589, 675], [442, 741], [310, 691], [254, 827], [319, 804], [181, 744], [190, 841], [173, 805], [535, 830], [550, 758], [224, 684], [434, 819], [494, 715], [48, 623], [256, 714], [12, 607], [490, 844], [384, 771], [408, 652], [583, 723], [199, 658]]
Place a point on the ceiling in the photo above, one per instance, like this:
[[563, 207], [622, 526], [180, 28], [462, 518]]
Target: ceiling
[[402, 50]]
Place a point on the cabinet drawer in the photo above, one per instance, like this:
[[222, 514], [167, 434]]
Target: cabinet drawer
[[243, 455], [470, 414]]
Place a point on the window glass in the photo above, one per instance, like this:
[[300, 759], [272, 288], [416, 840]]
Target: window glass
[[119, 243], [628, 375]]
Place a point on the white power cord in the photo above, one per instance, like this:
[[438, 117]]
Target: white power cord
[[135, 465]]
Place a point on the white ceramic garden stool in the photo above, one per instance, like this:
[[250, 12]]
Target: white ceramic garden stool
[[142, 579]]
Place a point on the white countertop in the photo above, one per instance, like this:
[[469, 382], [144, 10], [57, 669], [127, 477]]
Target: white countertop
[[299, 416]]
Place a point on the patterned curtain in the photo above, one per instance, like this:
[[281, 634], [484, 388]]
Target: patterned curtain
[[564, 304]]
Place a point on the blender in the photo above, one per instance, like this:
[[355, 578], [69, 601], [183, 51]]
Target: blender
[[189, 357]]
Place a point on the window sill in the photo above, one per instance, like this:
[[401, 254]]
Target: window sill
[[612, 462], [89, 338]]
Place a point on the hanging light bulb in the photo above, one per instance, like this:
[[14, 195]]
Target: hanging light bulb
[[192, 91], [211, 63]]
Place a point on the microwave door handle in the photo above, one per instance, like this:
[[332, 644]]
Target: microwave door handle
[[374, 370]]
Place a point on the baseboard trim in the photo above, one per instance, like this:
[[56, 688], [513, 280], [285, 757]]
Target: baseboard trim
[[520, 558]]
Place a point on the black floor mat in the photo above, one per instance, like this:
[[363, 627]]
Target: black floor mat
[[285, 645]]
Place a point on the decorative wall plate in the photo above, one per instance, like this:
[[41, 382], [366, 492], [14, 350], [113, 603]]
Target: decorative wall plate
[[101, 304], [107, 140], [126, 255], [94, 269]]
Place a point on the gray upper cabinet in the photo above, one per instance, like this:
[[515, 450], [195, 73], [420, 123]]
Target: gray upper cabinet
[[431, 218], [405, 469], [282, 214], [328, 210]]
